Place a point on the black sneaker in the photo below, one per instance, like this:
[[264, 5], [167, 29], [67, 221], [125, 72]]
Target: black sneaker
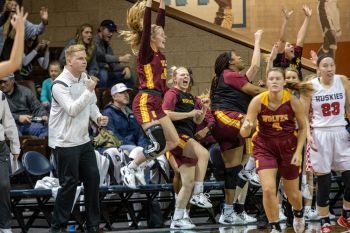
[[263, 222]]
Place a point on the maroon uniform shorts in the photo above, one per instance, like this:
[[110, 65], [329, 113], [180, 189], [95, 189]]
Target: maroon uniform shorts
[[226, 129], [178, 152], [147, 107], [276, 153]]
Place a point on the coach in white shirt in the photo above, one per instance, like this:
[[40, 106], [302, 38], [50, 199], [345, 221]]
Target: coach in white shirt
[[73, 105]]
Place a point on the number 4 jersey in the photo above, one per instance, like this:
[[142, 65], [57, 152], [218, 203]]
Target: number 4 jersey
[[328, 105]]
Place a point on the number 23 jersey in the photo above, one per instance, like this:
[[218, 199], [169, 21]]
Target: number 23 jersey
[[328, 105]]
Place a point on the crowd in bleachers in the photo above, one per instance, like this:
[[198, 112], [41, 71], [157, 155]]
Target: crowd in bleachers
[[90, 103]]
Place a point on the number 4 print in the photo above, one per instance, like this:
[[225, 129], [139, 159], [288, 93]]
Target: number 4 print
[[330, 109]]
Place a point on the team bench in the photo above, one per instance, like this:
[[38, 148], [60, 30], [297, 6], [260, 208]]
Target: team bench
[[28, 205]]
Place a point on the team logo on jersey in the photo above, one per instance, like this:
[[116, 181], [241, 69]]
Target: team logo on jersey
[[187, 101], [275, 118], [335, 96]]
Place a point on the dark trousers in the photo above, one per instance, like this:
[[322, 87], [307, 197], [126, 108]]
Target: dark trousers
[[5, 204], [76, 164]]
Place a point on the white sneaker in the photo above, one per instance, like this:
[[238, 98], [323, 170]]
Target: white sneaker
[[2, 230], [201, 200], [253, 178], [274, 231], [231, 219], [183, 223], [299, 225], [245, 217], [140, 175], [282, 216], [306, 191], [128, 177], [243, 174], [311, 214]]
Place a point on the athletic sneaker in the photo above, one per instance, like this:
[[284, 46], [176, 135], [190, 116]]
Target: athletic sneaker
[[274, 231], [182, 223], [245, 217], [306, 191], [326, 228], [201, 200], [243, 174], [282, 216], [140, 175], [311, 214], [298, 225], [231, 219], [253, 178], [128, 177], [344, 222]]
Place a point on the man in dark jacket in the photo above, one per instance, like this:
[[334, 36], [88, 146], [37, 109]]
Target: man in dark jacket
[[113, 68], [30, 116], [121, 119]]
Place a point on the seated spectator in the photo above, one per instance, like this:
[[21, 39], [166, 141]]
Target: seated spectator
[[112, 70], [84, 37], [7, 32], [121, 119], [45, 94], [33, 50], [30, 116]]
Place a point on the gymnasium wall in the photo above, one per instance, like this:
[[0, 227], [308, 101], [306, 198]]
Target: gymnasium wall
[[186, 45]]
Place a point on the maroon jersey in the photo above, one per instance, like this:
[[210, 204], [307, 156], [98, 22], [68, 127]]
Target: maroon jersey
[[278, 123], [151, 65]]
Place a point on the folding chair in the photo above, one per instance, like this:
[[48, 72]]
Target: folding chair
[[35, 165]]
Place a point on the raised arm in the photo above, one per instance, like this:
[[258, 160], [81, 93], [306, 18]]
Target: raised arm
[[255, 65], [9, 66], [160, 21], [283, 32], [304, 28], [272, 57]]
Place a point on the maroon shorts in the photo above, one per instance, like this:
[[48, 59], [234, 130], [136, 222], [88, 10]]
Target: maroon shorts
[[276, 153], [147, 107], [226, 129], [178, 152]]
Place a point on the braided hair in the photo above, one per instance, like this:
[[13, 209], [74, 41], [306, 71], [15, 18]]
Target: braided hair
[[222, 62]]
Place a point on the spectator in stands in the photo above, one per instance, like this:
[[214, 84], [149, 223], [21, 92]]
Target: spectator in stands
[[7, 41], [73, 105], [112, 67], [83, 36], [30, 116], [122, 121], [45, 95], [33, 50]]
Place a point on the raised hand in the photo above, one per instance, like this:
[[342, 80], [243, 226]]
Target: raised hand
[[307, 10], [44, 14], [287, 13], [258, 34], [17, 20]]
